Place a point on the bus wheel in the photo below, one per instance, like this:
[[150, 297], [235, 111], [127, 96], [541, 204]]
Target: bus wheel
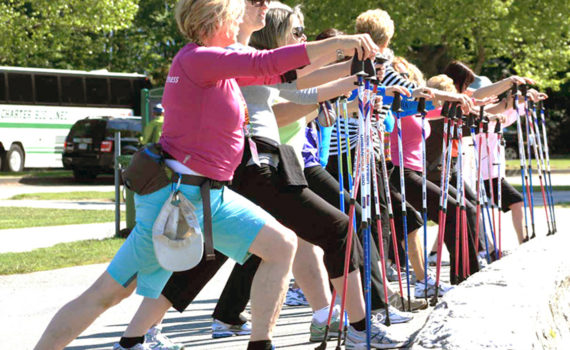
[[14, 159]]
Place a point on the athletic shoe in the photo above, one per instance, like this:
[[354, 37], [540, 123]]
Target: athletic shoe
[[417, 304], [117, 346], [482, 259], [158, 341], [381, 337], [432, 260], [396, 316], [223, 330], [430, 285], [318, 330], [392, 273], [295, 297]]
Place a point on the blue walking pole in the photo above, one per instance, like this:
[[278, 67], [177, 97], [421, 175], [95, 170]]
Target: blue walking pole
[[396, 107], [529, 140]]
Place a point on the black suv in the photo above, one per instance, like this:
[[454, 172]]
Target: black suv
[[89, 147]]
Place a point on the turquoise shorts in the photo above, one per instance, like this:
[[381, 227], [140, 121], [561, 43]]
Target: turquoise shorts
[[235, 224]]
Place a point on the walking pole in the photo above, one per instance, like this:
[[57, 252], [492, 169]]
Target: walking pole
[[460, 210], [380, 235], [323, 345], [396, 107], [480, 188], [486, 200], [490, 172], [524, 90], [443, 198], [547, 154], [500, 144], [348, 251], [541, 164], [391, 216], [524, 177], [422, 111], [538, 156], [466, 264]]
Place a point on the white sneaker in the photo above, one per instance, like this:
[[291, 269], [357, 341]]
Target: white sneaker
[[421, 286], [396, 316], [380, 338], [158, 341], [136, 347], [223, 330], [432, 260]]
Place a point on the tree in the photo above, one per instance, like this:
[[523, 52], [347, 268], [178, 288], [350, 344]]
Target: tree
[[532, 37], [67, 34]]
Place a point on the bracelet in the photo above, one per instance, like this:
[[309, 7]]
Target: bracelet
[[339, 55]]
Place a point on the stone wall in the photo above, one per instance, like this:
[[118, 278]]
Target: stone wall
[[519, 302]]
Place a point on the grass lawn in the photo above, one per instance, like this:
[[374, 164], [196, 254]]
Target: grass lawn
[[71, 196], [59, 256], [39, 173], [14, 217], [556, 163]]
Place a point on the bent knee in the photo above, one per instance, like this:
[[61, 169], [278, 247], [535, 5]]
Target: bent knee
[[106, 292]]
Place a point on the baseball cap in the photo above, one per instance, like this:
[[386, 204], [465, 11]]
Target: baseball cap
[[176, 235], [480, 81], [158, 108]]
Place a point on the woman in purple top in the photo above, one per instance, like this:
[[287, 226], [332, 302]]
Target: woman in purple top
[[204, 134]]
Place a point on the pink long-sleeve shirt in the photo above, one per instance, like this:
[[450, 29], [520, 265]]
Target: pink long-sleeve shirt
[[204, 107], [411, 140]]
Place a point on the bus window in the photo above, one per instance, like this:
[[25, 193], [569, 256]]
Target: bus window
[[47, 90], [72, 91], [97, 92], [121, 92], [2, 87], [20, 88]]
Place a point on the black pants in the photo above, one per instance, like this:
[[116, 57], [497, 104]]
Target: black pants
[[413, 183], [235, 295]]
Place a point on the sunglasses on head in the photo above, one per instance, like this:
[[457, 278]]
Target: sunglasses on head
[[298, 32], [259, 3]]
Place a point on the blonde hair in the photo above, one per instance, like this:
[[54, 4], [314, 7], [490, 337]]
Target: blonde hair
[[199, 19], [278, 24], [378, 24], [441, 82], [415, 74]]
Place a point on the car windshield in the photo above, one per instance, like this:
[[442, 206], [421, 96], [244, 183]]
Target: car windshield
[[87, 128]]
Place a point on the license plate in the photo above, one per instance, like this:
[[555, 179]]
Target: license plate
[[82, 146]]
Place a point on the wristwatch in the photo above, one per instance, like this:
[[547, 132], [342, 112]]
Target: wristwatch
[[339, 55]]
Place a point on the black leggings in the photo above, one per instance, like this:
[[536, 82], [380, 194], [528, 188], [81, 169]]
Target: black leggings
[[413, 183]]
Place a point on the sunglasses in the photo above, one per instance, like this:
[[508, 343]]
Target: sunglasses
[[298, 32], [405, 75], [259, 3]]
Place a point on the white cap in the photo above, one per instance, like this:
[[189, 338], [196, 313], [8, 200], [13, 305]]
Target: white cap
[[176, 235]]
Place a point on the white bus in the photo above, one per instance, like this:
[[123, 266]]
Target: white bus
[[39, 106]]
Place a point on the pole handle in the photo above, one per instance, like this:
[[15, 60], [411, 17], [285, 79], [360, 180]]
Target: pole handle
[[445, 108], [397, 103], [422, 105]]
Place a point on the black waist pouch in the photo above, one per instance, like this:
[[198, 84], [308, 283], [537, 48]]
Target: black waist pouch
[[289, 170], [147, 172]]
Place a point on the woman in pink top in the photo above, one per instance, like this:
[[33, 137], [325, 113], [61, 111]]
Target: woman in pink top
[[204, 134]]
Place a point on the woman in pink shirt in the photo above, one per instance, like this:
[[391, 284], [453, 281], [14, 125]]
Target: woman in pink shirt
[[205, 121]]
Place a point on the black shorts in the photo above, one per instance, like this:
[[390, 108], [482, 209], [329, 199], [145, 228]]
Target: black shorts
[[509, 194]]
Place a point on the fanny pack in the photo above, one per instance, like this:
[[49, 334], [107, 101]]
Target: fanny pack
[[148, 173]]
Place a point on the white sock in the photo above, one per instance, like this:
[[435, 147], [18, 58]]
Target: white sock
[[321, 316]]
